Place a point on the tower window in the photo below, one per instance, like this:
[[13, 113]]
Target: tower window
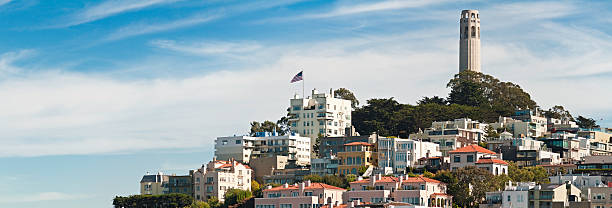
[[465, 32], [473, 31], [478, 32], [472, 15]]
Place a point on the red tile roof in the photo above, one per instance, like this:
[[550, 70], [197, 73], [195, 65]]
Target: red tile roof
[[384, 179], [472, 148], [439, 194], [420, 179], [489, 161], [358, 143], [339, 206], [312, 186]]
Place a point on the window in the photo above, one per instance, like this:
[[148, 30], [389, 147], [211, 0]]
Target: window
[[238, 141], [509, 198], [473, 31], [285, 206], [470, 158], [422, 187], [309, 193], [457, 159], [294, 194]]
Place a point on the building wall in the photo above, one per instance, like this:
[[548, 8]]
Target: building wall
[[469, 41], [464, 159], [243, 148], [518, 199], [321, 113], [401, 153], [216, 178]]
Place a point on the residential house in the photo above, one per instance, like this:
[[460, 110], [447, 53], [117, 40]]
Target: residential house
[[355, 156], [214, 179], [302, 195], [397, 154], [478, 156]]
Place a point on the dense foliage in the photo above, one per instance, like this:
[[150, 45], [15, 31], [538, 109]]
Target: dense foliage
[[473, 95], [235, 196], [164, 200], [587, 123]]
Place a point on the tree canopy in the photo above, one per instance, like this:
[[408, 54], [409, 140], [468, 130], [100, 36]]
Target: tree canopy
[[587, 123], [164, 200], [347, 95]]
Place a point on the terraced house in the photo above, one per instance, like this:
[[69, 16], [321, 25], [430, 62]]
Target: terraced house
[[302, 195]]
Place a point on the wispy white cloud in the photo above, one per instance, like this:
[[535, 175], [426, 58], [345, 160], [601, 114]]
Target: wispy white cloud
[[150, 27], [7, 60], [353, 9], [43, 196], [110, 8], [209, 48], [3, 2]]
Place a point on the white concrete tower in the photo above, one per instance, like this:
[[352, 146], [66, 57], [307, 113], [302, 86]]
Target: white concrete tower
[[469, 41]]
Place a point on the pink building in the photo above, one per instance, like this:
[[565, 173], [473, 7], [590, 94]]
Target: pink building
[[302, 195], [419, 191]]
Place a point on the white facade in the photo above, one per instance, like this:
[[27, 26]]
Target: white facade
[[535, 126], [320, 114], [517, 196], [218, 177], [243, 148], [580, 181], [399, 153], [455, 134], [469, 41]]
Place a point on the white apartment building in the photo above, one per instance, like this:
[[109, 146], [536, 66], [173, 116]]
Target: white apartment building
[[533, 126], [397, 154], [320, 113], [214, 179], [264, 144], [455, 134], [513, 196], [580, 181]]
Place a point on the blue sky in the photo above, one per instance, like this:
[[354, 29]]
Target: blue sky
[[98, 93]]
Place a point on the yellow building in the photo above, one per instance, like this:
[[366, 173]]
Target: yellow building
[[355, 155]]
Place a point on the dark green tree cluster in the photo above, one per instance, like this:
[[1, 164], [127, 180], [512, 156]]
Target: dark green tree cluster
[[268, 126], [236, 196], [558, 112], [347, 95], [333, 180], [587, 123], [526, 174], [473, 95], [153, 201]]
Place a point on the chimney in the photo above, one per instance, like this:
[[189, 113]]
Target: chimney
[[372, 180], [302, 187], [268, 187], [307, 184], [378, 176], [285, 185]]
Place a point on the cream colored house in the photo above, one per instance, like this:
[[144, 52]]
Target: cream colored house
[[153, 184], [214, 179]]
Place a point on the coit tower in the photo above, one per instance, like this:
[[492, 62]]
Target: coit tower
[[469, 41]]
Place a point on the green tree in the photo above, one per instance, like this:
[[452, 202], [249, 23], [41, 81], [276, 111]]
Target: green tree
[[266, 126], [558, 112], [347, 95], [432, 100], [236, 196], [317, 145], [314, 178], [199, 204], [428, 174], [256, 189], [491, 133], [472, 185], [214, 202], [336, 181], [362, 169], [350, 178], [586, 123], [165, 200]]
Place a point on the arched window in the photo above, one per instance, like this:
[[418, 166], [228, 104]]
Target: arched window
[[496, 171], [472, 15], [473, 31], [477, 15]]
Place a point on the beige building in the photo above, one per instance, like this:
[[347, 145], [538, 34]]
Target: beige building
[[214, 179], [153, 184], [455, 134], [553, 195], [478, 156], [302, 195], [469, 41], [600, 197]]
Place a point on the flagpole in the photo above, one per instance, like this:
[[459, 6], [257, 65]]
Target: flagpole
[[303, 91]]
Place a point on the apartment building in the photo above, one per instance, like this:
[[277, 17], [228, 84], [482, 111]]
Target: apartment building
[[356, 155], [419, 191], [153, 184], [455, 134], [264, 144], [214, 179], [553, 195], [320, 113], [580, 181], [478, 156], [525, 151], [513, 196], [180, 184], [333, 145], [600, 197], [302, 195], [397, 154], [324, 166], [522, 125]]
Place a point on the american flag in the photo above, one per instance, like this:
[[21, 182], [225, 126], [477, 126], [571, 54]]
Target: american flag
[[297, 77]]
